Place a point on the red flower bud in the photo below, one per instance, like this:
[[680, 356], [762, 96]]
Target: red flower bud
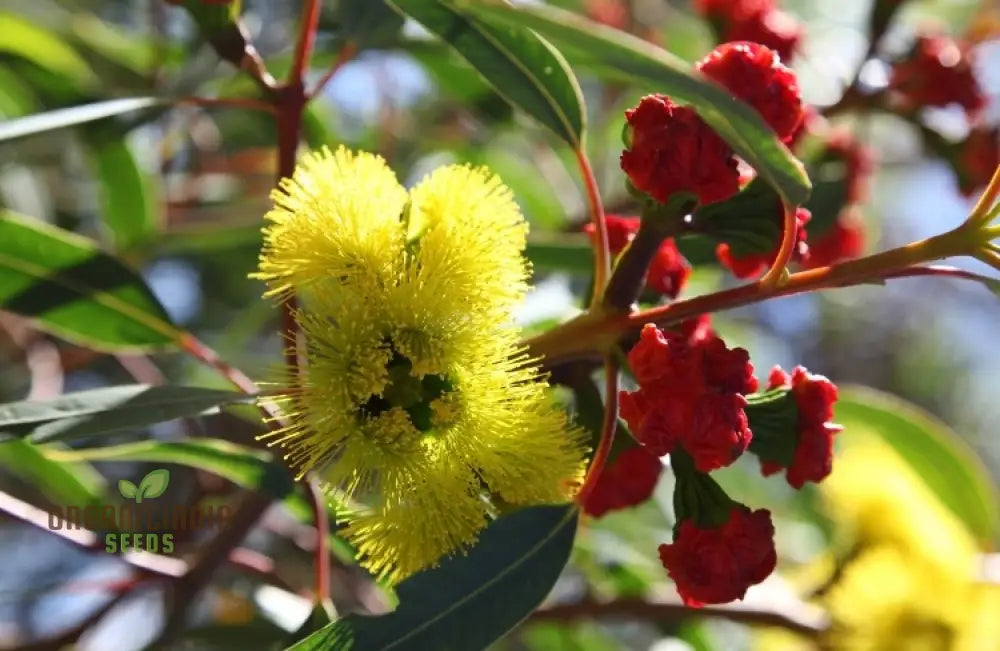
[[668, 272], [656, 419], [718, 565], [628, 480], [814, 396], [978, 158], [845, 240], [719, 431], [755, 74], [671, 150], [758, 21], [937, 72], [727, 369], [621, 231], [690, 392], [859, 163], [607, 12]]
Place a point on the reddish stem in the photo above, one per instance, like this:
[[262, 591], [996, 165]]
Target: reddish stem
[[346, 53], [195, 348], [608, 428], [602, 254], [227, 102], [304, 45], [322, 523]]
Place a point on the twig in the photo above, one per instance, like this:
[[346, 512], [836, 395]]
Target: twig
[[321, 524], [346, 53], [304, 44], [70, 637], [801, 620], [227, 102], [146, 561]]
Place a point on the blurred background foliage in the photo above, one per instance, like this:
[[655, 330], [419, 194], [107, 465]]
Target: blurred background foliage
[[178, 191]]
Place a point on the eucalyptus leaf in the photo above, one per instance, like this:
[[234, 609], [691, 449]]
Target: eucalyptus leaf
[[73, 289], [96, 411], [523, 67], [469, 601]]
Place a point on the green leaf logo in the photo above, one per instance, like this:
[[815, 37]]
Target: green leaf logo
[[152, 485]]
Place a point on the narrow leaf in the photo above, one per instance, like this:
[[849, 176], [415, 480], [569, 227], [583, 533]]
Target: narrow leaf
[[68, 117], [939, 455], [96, 411], [522, 66], [74, 290], [61, 483], [27, 40], [616, 55], [469, 601], [127, 208], [246, 467]]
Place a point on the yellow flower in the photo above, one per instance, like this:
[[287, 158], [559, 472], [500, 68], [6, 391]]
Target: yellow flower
[[417, 404], [911, 581], [898, 509]]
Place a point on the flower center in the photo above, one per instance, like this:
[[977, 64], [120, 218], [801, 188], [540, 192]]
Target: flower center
[[410, 393]]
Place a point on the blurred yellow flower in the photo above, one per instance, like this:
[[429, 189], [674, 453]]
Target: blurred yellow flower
[[417, 400], [909, 583]]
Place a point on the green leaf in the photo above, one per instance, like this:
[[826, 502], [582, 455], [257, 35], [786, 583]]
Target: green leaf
[[116, 45], [246, 467], [749, 221], [369, 23], [61, 483], [74, 290], [127, 207], [471, 600], [96, 411], [27, 40], [933, 450], [128, 489], [562, 252], [68, 117], [153, 484], [522, 66], [620, 56]]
